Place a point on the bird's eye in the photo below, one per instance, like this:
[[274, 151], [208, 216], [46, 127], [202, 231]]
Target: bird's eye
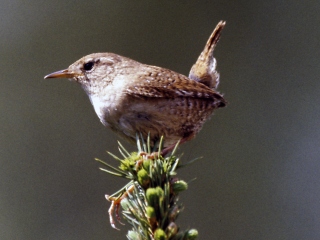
[[88, 66]]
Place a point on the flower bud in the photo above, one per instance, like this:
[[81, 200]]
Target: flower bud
[[152, 197], [159, 234], [151, 213], [179, 186], [143, 178], [192, 234], [146, 164], [160, 192], [152, 218]]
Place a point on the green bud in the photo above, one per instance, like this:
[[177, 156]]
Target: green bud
[[152, 218], [159, 234], [143, 178], [146, 164], [129, 163], [179, 186], [160, 192], [152, 197], [151, 213], [192, 234]]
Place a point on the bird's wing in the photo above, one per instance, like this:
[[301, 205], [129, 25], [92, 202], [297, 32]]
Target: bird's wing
[[160, 83]]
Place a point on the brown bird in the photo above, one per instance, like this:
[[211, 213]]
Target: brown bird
[[131, 97]]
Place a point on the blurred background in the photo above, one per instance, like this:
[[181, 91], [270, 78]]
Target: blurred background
[[260, 175]]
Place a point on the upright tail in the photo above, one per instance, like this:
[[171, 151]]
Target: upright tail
[[204, 70]]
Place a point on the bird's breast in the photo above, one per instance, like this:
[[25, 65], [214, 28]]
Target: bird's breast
[[107, 106]]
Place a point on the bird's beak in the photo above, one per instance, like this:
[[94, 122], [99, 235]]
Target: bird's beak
[[61, 74]]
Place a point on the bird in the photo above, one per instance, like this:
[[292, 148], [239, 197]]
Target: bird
[[133, 98]]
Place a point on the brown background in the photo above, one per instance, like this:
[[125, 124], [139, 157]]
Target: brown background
[[260, 176]]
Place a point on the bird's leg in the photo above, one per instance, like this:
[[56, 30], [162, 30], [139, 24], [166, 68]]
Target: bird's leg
[[170, 148], [115, 206]]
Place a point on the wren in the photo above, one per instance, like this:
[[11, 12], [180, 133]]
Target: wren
[[130, 97]]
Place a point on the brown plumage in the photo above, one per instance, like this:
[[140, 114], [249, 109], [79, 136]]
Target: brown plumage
[[131, 97]]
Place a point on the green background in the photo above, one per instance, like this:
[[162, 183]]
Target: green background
[[259, 178]]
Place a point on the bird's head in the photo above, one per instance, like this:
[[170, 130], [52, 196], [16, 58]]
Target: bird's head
[[90, 70]]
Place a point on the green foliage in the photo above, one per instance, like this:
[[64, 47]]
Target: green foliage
[[149, 201]]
